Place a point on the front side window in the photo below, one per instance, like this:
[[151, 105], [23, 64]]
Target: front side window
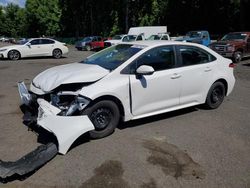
[[113, 57], [139, 38], [194, 34], [165, 37], [194, 56], [35, 42], [160, 58]]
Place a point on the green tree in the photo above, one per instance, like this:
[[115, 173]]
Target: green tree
[[43, 17]]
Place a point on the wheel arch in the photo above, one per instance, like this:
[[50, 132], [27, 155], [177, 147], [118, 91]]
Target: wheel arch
[[224, 82], [113, 99], [20, 55]]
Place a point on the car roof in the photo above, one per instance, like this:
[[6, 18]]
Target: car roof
[[40, 38], [149, 43]]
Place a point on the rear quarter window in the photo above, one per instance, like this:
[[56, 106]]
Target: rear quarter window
[[191, 55]]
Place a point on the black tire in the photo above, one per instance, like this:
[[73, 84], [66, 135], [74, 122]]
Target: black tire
[[215, 95], [105, 116], [57, 53], [237, 57], [14, 55], [88, 47]]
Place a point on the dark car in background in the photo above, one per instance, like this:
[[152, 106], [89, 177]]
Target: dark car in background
[[89, 43], [235, 45]]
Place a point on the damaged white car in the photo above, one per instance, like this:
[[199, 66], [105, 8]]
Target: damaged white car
[[125, 82]]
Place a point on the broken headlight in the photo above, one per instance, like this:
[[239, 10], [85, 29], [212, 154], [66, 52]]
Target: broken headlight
[[68, 102]]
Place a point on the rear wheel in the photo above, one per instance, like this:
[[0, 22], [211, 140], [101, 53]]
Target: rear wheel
[[57, 53], [105, 116], [237, 56], [215, 95], [14, 55]]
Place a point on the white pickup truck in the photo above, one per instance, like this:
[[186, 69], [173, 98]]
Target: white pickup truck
[[136, 34]]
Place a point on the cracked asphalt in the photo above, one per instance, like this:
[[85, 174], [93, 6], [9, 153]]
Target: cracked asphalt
[[188, 148]]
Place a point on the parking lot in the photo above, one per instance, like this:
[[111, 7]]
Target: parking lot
[[186, 148]]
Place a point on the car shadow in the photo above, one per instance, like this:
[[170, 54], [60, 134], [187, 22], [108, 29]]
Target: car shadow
[[151, 119]]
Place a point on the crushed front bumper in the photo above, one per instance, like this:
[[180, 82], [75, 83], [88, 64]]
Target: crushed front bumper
[[66, 128]]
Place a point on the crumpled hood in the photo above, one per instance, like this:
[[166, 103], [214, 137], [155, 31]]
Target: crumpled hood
[[66, 74]]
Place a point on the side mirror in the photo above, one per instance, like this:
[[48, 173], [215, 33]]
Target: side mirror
[[145, 70], [28, 44]]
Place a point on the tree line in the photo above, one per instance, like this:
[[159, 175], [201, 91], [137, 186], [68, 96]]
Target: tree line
[[75, 18]]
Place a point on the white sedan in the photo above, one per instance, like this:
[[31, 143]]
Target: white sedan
[[126, 82], [36, 47]]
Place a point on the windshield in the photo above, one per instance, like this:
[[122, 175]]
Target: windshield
[[117, 37], [194, 34], [234, 36], [114, 56], [86, 39]]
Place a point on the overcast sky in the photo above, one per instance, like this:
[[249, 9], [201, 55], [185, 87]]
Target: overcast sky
[[21, 3]]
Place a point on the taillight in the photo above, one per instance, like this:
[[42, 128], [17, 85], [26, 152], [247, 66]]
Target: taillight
[[232, 65]]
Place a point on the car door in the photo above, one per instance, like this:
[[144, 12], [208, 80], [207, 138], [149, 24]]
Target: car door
[[159, 91], [33, 48], [47, 46], [196, 67]]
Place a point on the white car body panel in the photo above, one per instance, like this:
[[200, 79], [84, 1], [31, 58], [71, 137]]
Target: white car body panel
[[66, 128], [114, 42], [152, 93], [34, 50]]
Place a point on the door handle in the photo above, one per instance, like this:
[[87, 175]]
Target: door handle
[[175, 76], [208, 69]]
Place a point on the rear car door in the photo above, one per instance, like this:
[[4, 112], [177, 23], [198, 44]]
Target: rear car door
[[159, 91], [196, 67], [47, 46]]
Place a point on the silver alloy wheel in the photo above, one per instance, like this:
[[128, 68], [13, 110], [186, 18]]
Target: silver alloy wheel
[[57, 53], [13, 55]]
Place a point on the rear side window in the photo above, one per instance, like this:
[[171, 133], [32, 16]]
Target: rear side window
[[160, 58], [47, 41], [193, 56]]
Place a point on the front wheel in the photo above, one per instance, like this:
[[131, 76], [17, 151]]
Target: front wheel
[[215, 95], [14, 55], [105, 116]]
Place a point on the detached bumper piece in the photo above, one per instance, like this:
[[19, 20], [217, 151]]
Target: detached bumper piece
[[29, 162]]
